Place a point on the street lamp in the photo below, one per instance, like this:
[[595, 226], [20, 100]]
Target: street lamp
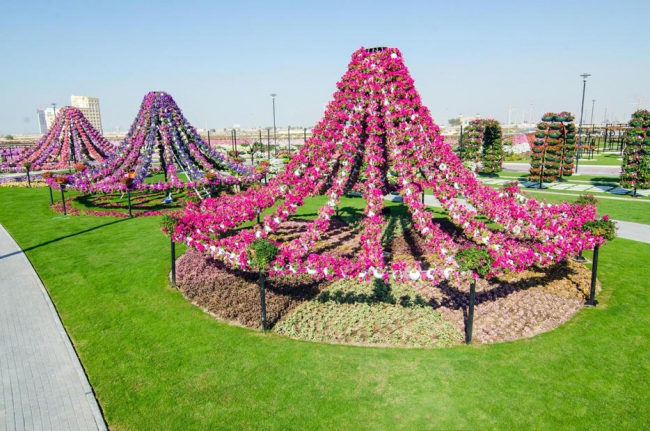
[[275, 136], [582, 107]]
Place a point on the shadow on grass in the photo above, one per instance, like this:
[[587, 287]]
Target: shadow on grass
[[64, 237]]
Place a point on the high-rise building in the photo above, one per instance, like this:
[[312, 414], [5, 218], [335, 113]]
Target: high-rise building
[[42, 122], [89, 106]]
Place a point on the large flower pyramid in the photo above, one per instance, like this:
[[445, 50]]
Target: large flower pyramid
[[71, 139], [554, 147], [160, 128], [377, 124]]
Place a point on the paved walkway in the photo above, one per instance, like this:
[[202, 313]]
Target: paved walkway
[[43, 386], [583, 169], [628, 230]]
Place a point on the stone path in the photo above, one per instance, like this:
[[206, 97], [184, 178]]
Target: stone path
[[43, 386], [574, 187]]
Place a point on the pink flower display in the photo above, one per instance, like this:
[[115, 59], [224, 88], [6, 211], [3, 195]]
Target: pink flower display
[[161, 128], [377, 123], [71, 139]]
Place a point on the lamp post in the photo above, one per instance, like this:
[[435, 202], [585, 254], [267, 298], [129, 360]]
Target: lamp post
[[54, 108], [593, 104], [275, 136], [582, 107]]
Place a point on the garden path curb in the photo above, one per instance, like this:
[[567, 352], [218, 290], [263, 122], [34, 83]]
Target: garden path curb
[[43, 383]]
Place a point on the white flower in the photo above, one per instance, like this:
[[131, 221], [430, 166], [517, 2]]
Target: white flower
[[362, 275], [393, 55], [311, 271], [371, 213], [443, 166], [414, 275], [377, 273], [258, 234], [267, 228], [447, 272], [430, 274], [297, 172]]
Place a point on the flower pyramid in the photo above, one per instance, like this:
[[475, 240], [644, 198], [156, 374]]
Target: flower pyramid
[[635, 170], [484, 146], [377, 127], [70, 140], [161, 128], [554, 147]]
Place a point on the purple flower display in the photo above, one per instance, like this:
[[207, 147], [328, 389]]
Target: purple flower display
[[161, 130], [70, 140]]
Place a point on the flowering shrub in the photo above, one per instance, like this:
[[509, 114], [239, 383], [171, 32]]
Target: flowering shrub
[[70, 139], [377, 124], [635, 170], [602, 228], [160, 126]]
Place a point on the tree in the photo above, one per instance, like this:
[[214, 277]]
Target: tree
[[454, 122], [9, 137]]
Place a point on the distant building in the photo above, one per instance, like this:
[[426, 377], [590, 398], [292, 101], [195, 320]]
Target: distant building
[[42, 122], [48, 113], [89, 106]]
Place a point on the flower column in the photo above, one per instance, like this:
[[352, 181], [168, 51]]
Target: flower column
[[635, 171]]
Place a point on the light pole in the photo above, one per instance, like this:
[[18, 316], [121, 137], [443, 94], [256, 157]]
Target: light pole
[[582, 108], [593, 104], [54, 108], [275, 136]]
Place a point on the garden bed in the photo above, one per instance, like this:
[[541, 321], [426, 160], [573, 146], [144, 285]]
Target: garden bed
[[400, 314]]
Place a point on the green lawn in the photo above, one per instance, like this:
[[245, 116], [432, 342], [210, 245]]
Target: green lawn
[[156, 362]]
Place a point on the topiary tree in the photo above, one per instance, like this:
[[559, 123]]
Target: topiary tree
[[261, 253], [476, 262], [483, 145], [554, 148], [635, 170]]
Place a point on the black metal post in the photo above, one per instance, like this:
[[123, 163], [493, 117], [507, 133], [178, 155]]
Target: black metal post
[[234, 135], [29, 180], [173, 256], [51, 197], [63, 199], [208, 137], [470, 313], [268, 143], [263, 301], [289, 134], [275, 132], [460, 141], [594, 270], [128, 198], [422, 196], [304, 135]]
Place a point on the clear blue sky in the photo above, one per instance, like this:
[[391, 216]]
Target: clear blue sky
[[220, 60]]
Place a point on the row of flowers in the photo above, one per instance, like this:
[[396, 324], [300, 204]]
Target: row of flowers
[[377, 125]]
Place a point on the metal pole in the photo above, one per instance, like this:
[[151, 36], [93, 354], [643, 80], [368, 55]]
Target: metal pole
[[582, 108], [234, 135], [289, 134], [275, 132], [593, 104], [594, 269], [51, 197], [208, 137], [304, 135], [470, 313], [63, 200], [263, 301], [29, 180], [128, 198], [173, 256], [268, 143], [460, 141]]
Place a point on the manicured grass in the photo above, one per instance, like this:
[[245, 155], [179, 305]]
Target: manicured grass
[[156, 362]]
